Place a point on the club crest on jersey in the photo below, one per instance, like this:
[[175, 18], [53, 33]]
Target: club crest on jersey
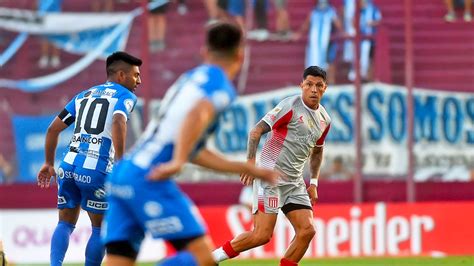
[[322, 123], [273, 202], [129, 105], [153, 208], [60, 173], [99, 193]]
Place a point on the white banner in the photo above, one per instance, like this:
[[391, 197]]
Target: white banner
[[19, 20], [443, 133], [26, 236]]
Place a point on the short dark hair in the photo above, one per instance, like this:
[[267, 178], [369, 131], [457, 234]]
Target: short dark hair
[[117, 57], [224, 39], [315, 71]]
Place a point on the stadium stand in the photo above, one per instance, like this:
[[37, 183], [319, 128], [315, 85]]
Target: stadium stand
[[443, 56]]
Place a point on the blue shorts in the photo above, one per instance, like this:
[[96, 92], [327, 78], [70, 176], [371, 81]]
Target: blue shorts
[[137, 205], [236, 7], [77, 185]]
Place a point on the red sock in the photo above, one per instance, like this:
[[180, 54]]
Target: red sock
[[229, 250], [285, 262]]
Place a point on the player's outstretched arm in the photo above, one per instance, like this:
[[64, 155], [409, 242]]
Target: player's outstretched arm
[[52, 135], [194, 125], [119, 134], [211, 160]]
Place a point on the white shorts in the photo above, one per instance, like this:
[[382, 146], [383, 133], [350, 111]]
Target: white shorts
[[269, 199]]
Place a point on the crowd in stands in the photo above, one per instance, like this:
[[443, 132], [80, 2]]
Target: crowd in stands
[[324, 43]]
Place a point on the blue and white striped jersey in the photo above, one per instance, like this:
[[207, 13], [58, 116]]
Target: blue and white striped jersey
[[92, 110], [203, 82]]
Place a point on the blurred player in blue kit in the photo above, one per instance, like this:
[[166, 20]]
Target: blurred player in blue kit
[[100, 115], [141, 194]]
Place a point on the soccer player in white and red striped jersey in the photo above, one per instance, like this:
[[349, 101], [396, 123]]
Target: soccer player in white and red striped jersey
[[298, 126]]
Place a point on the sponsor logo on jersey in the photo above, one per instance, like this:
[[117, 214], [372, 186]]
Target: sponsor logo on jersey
[[300, 119], [99, 193], [78, 178], [108, 92], [61, 200], [273, 202], [97, 205], [89, 93], [129, 105], [60, 173], [153, 208], [86, 139], [168, 225]]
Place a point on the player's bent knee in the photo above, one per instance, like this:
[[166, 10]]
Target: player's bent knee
[[307, 233], [121, 248]]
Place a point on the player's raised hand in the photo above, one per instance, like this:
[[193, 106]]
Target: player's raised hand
[[267, 175], [164, 171], [313, 194], [45, 174]]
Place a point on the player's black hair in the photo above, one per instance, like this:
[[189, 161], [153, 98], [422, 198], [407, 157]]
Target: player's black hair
[[315, 71], [114, 60], [224, 39]]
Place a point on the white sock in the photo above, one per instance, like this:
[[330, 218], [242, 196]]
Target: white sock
[[219, 255]]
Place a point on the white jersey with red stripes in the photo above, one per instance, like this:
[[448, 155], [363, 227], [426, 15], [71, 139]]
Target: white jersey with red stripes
[[295, 130]]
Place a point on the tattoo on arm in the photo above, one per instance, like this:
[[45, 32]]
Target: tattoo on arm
[[315, 161], [254, 138]]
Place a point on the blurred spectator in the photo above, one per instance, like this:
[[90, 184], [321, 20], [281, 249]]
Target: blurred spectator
[[212, 11], [282, 19], [49, 52], [102, 5], [338, 171], [235, 9], [321, 50], [157, 25], [6, 170], [260, 31], [182, 7], [349, 28], [451, 15], [370, 17]]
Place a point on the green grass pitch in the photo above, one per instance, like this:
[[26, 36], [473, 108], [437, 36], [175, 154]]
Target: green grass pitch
[[419, 261]]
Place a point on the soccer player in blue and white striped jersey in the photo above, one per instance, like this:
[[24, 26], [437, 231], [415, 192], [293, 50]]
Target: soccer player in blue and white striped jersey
[[99, 115]]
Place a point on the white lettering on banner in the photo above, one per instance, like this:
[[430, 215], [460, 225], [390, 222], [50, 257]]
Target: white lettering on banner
[[443, 127], [373, 235], [21, 236]]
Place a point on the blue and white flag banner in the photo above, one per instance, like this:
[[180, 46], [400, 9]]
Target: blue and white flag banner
[[95, 35], [19, 20], [30, 134], [94, 43]]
